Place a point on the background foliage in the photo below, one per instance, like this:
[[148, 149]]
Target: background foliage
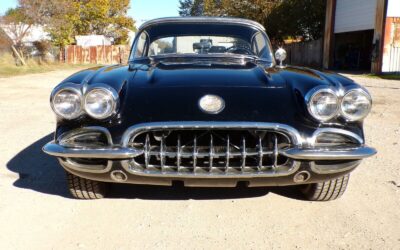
[[283, 19], [64, 19]]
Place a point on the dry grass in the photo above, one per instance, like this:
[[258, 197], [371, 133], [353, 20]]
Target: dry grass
[[384, 76], [8, 67]]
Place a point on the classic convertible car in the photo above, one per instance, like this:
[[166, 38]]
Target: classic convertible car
[[202, 102]]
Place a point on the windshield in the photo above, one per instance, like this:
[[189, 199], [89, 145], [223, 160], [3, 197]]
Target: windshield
[[201, 39], [200, 45]]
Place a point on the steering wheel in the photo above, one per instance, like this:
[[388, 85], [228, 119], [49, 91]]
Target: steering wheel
[[239, 50]]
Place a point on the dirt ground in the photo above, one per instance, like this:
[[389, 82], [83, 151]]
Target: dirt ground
[[36, 211]]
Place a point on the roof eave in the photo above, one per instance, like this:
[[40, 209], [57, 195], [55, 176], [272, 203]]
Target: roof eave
[[219, 20]]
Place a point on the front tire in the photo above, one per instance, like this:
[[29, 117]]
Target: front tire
[[328, 190], [81, 188]]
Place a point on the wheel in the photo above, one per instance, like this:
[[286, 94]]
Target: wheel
[[81, 188], [328, 190]]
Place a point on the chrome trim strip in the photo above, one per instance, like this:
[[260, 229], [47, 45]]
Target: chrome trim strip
[[87, 129], [295, 165], [55, 149], [319, 131], [329, 154], [70, 164], [217, 20], [292, 132]]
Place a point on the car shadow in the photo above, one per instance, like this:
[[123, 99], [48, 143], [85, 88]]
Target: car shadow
[[144, 192], [42, 173], [38, 171]]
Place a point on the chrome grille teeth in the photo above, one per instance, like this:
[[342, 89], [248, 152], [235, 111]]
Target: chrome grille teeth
[[211, 152], [228, 153], [195, 152], [276, 153], [178, 153], [260, 154], [162, 152], [147, 150], [244, 155]]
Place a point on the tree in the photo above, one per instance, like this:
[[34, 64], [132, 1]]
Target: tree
[[39, 11], [17, 24], [105, 17], [289, 19], [5, 41], [64, 19], [191, 7], [282, 18], [61, 22], [252, 9], [185, 7]]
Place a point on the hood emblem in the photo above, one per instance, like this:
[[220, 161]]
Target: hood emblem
[[211, 104]]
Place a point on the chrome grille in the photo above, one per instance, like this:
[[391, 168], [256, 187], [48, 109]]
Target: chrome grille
[[210, 152]]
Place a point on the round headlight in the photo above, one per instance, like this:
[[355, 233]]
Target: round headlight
[[323, 104], [67, 103], [100, 103], [356, 105]]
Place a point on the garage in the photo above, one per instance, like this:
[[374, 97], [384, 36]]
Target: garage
[[363, 35], [354, 31]]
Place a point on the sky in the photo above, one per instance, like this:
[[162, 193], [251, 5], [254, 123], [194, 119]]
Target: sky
[[6, 4], [141, 10]]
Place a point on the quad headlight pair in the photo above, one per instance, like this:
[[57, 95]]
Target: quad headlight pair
[[99, 102], [325, 104]]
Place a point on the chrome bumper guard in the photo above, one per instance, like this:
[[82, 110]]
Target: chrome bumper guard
[[120, 153], [315, 154], [111, 153]]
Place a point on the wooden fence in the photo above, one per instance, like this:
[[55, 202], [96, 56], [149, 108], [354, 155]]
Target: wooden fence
[[305, 53], [108, 54], [302, 54]]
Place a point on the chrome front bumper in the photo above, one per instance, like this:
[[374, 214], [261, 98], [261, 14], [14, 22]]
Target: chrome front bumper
[[303, 154], [121, 153]]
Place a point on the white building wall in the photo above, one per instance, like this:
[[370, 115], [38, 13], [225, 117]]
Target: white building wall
[[35, 33], [393, 8], [355, 15], [93, 40]]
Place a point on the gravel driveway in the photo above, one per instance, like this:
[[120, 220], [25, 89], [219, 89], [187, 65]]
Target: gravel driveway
[[36, 211]]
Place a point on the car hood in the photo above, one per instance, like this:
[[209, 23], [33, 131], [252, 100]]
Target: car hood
[[204, 74], [251, 93]]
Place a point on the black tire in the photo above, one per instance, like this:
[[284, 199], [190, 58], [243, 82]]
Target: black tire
[[328, 190], [81, 188]]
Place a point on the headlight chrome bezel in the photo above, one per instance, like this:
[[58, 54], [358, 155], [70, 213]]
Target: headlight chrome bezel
[[114, 97], [340, 95], [67, 87], [310, 96], [360, 91], [83, 92]]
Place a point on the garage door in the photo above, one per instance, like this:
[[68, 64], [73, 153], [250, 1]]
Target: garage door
[[355, 15]]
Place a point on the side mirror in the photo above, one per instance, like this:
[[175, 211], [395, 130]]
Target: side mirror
[[280, 55]]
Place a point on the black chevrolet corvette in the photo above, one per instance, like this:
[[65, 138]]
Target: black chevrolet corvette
[[203, 102]]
